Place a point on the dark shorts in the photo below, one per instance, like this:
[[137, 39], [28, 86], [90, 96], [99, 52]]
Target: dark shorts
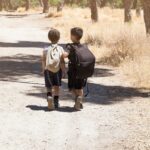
[[52, 79], [74, 83]]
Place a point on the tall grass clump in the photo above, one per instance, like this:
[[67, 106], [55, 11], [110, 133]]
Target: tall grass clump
[[137, 70], [121, 44], [126, 48]]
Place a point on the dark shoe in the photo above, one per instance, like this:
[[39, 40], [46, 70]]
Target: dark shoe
[[56, 103]]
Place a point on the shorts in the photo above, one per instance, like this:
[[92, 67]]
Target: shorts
[[74, 83], [52, 79]]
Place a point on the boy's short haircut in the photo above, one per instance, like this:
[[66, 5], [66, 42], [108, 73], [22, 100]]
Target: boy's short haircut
[[54, 35], [77, 32]]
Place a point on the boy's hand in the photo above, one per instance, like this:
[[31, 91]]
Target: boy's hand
[[65, 54]]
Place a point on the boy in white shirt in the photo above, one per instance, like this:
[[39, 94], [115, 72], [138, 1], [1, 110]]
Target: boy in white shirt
[[53, 65]]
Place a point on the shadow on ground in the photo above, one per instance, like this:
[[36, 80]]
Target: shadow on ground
[[102, 94], [99, 94], [44, 108], [10, 15], [14, 15], [15, 68], [25, 44]]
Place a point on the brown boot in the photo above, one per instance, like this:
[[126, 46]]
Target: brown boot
[[50, 103], [78, 103]]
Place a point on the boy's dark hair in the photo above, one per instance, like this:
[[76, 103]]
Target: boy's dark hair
[[77, 32], [54, 35]]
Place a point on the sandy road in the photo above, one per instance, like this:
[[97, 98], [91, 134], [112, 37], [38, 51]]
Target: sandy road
[[115, 116]]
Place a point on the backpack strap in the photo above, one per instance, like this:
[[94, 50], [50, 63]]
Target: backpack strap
[[50, 51], [87, 88], [72, 50]]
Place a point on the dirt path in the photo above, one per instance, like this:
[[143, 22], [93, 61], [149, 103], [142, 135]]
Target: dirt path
[[116, 116]]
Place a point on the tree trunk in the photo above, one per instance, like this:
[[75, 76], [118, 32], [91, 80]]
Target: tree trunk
[[60, 5], [40, 2], [138, 8], [94, 10], [71, 2], [10, 5], [5, 4], [27, 5], [45, 6], [138, 11], [102, 3], [127, 10], [1, 5], [146, 7]]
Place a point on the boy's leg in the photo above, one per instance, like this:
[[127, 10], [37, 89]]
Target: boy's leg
[[50, 101], [49, 91], [79, 99], [79, 85], [56, 96], [48, 85], [76, 87], [79, 92], [57, 83]]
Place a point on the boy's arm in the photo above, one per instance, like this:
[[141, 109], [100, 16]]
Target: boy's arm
[[62, 62], [65, 55], [66, 52], [62, 65]]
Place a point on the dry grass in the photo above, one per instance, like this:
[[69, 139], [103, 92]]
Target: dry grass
[[31, 10], [21, 9], [137, 69], [113, 42], [54, 14]]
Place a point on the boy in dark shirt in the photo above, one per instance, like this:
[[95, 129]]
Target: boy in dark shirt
[[75, 84]]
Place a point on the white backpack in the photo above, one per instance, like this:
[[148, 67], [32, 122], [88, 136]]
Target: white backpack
[[53, 58]]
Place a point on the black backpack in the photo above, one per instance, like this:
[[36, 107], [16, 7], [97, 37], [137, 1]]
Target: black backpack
[[85, 61]]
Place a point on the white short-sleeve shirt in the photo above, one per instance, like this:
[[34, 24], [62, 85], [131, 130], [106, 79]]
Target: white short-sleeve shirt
[[60, 49]]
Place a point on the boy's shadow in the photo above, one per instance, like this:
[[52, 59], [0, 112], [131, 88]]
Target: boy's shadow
[[65, 109]]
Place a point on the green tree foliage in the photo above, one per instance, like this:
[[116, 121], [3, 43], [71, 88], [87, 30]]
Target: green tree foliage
[[116, 3], [81, 3], [18, 3]]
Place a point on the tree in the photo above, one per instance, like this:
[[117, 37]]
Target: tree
[[45, 6], [146, 7], [94, 10], [128, 4], [137, 6], [40, 2], [9, 4], [60, 5], [27, 5], [138, 11], [1, 5], [101, 3], [6, 4]]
